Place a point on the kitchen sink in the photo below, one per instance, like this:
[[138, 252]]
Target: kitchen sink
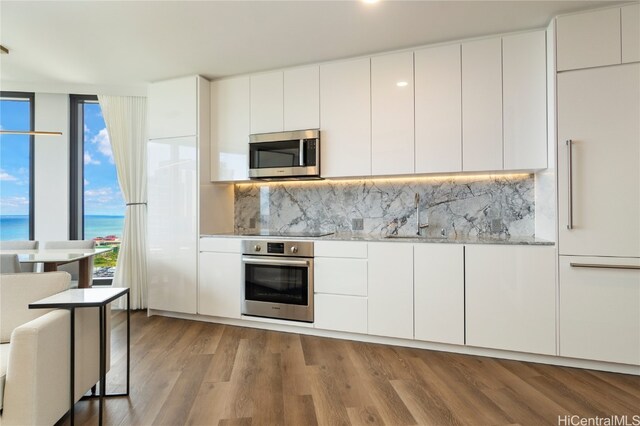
[[412, 237]]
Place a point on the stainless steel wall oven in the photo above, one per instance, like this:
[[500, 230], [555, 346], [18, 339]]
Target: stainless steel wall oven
[[277, 279]]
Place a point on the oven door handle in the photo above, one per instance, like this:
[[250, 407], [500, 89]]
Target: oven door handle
[[275, 262]]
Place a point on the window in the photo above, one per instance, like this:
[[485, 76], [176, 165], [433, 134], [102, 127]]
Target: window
[[16, 166], [97, 206]]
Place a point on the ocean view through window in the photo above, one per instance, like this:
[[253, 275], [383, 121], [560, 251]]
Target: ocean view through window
[[96, 201], [16, 171]]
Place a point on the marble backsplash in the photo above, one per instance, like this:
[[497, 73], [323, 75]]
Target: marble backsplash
[[453, 206]]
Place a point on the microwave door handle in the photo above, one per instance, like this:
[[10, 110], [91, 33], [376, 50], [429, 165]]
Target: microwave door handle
[[279, 262], [301, 156]]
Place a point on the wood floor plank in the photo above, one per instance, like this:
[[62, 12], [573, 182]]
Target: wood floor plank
[[183, 394], [299, 410], [364, 416], [187, 372]]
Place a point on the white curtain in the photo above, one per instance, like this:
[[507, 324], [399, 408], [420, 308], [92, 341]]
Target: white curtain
[[126, 119]]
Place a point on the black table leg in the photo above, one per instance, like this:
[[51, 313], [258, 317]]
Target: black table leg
[[72, 364], [103, 350], [128, 340]]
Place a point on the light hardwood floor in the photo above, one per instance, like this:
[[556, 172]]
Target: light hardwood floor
[[196, 373]]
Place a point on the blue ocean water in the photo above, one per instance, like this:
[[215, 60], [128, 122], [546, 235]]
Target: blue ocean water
[[14, 227]]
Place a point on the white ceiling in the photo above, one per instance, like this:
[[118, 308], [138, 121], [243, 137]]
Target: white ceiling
[[132, 43]]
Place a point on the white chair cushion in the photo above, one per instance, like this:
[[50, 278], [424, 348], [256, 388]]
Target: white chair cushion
[[18, 290], [4, 359]]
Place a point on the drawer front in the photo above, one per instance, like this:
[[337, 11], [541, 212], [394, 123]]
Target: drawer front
[[600, 309], [221, 245], [351, 249], [340, 276], [341, 313]]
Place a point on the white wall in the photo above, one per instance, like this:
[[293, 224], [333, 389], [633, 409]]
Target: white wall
[[51, 168]]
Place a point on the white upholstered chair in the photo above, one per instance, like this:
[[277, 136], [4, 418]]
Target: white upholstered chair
[[72, 268], [9, 264], [21, 245], [34, 350]]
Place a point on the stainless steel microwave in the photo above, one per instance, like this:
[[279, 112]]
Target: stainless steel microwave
[[285, 155]]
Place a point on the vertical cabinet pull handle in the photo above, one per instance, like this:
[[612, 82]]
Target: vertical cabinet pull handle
[[570, 184]]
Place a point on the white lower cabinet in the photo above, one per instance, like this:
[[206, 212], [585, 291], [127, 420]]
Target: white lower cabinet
[[220, 278], [390, 308], [439, 293], [600, 308], [341, 313], [340, 286], [510, 297]]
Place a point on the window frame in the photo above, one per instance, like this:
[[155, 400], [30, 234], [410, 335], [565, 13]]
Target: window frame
[[76, 171], [32, 120]]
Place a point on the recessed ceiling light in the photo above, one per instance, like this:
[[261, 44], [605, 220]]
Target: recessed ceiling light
[[402, 84], [370, 1]]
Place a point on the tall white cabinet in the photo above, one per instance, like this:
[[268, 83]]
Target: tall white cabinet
[[598, 189], [178, 183]]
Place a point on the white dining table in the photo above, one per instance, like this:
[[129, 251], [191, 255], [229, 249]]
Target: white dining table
[[51, 258]]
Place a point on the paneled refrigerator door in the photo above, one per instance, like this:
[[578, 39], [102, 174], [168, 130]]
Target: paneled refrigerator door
[[599, 168], [172, 224]]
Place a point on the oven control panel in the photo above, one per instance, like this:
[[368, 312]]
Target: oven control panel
[[278, 248]]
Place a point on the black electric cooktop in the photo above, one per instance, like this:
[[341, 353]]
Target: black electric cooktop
[[289, 234]]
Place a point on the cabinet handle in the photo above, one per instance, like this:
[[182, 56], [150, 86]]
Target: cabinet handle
[[570, 184], [602, 266]]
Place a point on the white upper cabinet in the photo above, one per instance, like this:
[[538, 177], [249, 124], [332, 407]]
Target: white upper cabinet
[[524, 87], [588, 39], [267, 102], [230, 129], [631, 33], [392, 138], [173, 108], [599, 173], [482, 105], [438, 110], [390, 309], [345, 118], [302, 98], [439, 292]]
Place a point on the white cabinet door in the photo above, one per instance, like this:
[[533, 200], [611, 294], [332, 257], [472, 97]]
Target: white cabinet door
[[511, 298], [631, 33], [439, 292], [598, 110], [302, 98], [267, 102], [438, 104], [600, 309], [230, 106], [220, 284], [390, 309], [392, 138], [524, 93], [588, 39], [482, 105], [172, 108], [341, 313], [345, 118], [340, 276], [172, 224]]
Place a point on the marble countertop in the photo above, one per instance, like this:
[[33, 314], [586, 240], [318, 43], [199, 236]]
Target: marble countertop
[[405, 239]]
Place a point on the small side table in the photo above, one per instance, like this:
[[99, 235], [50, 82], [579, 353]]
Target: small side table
[[89, 298]]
